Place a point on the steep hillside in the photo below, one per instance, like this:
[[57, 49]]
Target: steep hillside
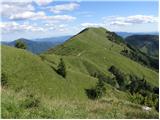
[[33, 87], [93, 44], [27, 71], [148, 44]]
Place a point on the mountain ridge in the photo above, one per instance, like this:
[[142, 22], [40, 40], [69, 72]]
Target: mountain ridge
[[88, 58]]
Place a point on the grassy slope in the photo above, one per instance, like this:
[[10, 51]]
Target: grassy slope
[[28, 73], [13, 106], [93, 45], [25, 70]]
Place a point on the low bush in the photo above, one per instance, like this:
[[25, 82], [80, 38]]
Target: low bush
[[98, 91], [20, 44], [4, 80], [120, 77], [31, 102]]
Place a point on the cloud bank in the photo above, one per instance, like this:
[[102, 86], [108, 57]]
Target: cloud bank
[[130, 20]]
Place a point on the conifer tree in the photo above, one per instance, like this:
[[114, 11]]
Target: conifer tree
[[61, 69]]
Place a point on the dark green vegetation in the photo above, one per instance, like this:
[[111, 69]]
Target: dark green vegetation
[[139, 87], [4, 80], [142, 58], [97, 92], [20, 44], [148, 44], [92, 61], [61, 69]]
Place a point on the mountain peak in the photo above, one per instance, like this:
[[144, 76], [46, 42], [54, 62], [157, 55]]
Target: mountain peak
[[22, 39], [94, 29], [97, 28]]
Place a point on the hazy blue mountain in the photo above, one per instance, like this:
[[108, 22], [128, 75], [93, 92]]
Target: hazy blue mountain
[[54, 39], [39, 45], [126, 34]]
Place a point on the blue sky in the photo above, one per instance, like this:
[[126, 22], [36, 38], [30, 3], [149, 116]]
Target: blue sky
[[47, 18]]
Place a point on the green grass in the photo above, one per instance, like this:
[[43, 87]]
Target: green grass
[[14, 106], [27, 71], [83, 55], [94, 46]]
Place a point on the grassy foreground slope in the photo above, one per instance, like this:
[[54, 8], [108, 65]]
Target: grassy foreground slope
[[15, 105]]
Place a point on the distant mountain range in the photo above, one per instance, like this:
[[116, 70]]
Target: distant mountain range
[[39, 45], [126, 34]]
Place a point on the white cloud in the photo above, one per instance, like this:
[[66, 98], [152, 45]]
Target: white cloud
[[130, 20], [64, 7], [11, 27], [92, 25], [55, 18], [15, 27], [42, 2], [27, 15], [41, 16], [138, 19], [59, 18], [26, 11], [38, 2], [8, 8], [119, 23]]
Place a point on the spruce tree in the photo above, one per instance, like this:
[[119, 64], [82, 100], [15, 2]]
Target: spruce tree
[[61, 69]]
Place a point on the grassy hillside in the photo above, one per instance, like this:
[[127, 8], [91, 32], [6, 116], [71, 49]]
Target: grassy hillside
[[34, 89], [27, 71], [15, 105], [93, 45]]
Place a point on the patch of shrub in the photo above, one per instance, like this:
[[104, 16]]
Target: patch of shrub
[[61, 69], [20, 44], [107, 79], [141, 115], [98, 91], [138, 56], [119, 76], [139, 85], [156, 90], [112, 36], [150, 100], [157, 106], [141, 91], [4, 80], [31, 102]]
